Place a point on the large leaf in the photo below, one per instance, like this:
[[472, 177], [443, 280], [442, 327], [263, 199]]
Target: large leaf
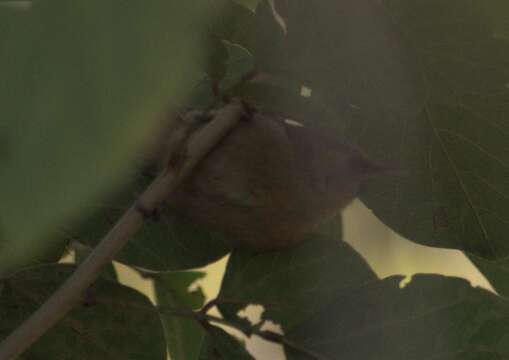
[[83, 86], [456, 151], [167, 242], [112, 322], [434, 317], [344, 51], [292, 283], [422, 92]]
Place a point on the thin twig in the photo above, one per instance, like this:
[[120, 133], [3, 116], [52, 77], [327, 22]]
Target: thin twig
[[219, 301], [247, 330], [266, 335], [70, 293]]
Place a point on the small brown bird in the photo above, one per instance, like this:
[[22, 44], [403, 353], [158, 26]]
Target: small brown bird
[[268, 183]]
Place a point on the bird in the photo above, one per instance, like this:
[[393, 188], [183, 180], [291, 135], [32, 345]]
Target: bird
[[270, 182]]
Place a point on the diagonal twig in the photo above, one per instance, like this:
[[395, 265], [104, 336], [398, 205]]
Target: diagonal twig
[[70, 293]]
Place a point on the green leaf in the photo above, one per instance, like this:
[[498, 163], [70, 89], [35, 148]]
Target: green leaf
[[183, 335], [348, 82], [235, 26], [219, 344], [167, 242], [228, 35], [455, 153], [291, 283], [239, 63], [112, 321], [420, 93], [187, 339], [83, 86], [433, 317], [346, 51], [172, 289], [228, 65]]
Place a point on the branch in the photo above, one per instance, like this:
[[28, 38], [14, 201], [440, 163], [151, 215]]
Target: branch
[[69, 294]]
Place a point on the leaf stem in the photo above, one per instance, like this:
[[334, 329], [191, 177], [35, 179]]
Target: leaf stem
[[219, 301], [271, 336], [70, 293]]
